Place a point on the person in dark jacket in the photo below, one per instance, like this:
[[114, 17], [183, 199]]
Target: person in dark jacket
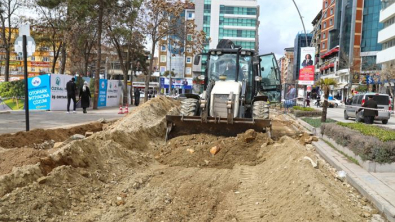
[[71, 88], [85, 95], [369, 114], [136, 97]]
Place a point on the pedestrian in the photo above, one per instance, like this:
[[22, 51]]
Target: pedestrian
[[71, 88], [136, 97], [308, 100], [85, 95], [369, 114], [318, 101]]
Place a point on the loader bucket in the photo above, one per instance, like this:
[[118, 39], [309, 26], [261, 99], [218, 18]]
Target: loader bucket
[[187, 125]]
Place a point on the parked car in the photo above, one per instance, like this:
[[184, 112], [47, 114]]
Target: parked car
[[383, 102], [335, 103]]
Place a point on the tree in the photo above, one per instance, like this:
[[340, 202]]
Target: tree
[[125, 36], [325, 85], [155, 19], [387, 74], [8, 27]]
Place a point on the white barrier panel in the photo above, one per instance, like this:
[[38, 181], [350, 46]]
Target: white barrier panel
[[114, 91], [59, 92]]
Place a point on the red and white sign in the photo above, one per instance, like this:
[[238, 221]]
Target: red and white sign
[[40, 64], [306, 76], [306, 71]]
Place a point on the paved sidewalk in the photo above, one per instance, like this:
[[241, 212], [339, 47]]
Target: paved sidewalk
[[379, 188], [14, 121]]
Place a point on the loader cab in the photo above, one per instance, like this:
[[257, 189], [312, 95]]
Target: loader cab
[[270, 84]]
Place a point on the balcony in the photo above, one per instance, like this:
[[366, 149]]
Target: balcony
[[387, 13], [386, 34], [386, 55]]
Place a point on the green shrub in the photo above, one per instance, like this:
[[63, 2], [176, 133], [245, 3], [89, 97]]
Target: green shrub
[[369, 130], [316, 122], [368, 147], [303, 108]]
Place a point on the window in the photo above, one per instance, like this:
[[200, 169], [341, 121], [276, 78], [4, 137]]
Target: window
[[46, 59], [189, 60], [188, 71], [190, 15], [189, 37], [323, 45], [162, 58], [324, 25], [163, 48], [325, 13], [324, 36], [19, 58], [330, 22], [331, 11], [162, 69], [32, 58], [326, 4], [164, 38], [189, 50], [33, 69]]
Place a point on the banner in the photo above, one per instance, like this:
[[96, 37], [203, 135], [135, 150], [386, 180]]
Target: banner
[[39, 92], [306, 69], [113, 92], [177, 83], [102, 100], [59, 92]]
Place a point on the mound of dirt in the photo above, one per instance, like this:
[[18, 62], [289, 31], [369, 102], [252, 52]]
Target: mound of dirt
[[194, 150], [38, 136], [113, 176], [10, 158]]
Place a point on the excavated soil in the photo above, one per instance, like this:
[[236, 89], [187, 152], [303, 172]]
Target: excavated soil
[[128, 173], [38, 136]]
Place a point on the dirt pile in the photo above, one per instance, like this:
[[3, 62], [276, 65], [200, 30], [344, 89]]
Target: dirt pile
[[194, 150], [128, 173], [39, 136]]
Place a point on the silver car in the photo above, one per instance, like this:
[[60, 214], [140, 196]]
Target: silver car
[[383, 103]]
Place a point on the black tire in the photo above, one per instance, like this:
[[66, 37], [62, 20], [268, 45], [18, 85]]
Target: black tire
[[336, 105], [260, 110], [346, 117], [189, 107], [357, 119], [384, 121]]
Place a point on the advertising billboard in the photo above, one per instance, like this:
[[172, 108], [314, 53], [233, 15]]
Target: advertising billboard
[[58, 91], [39, 92], [102, 100], [306, 68]]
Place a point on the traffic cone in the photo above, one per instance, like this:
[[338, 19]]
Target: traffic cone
[[120, 110], [126, 108]]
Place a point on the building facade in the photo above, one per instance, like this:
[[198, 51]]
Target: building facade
[[286, 66], [386, 36]]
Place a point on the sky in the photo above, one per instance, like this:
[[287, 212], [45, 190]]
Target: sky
[[280, 22]]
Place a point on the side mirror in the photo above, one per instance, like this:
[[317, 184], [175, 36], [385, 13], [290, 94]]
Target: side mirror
[[197, 60], [258, 78], [262, 69]]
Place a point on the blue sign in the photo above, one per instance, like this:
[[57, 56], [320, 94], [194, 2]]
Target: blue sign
[[176, 83], [39, 92], [102, 100]]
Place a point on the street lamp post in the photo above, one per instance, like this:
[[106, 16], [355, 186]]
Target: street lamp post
[[307, 44]]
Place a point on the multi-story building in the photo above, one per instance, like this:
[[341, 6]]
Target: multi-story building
[[287, 65], [348, 47], [236, 20], [386, 36], [175, 57], [316, 41], [40, 62], [301, 40]]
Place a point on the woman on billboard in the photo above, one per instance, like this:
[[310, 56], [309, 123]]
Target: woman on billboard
[[307, 61]]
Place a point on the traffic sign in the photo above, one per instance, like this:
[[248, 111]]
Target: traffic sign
[[31, 46]]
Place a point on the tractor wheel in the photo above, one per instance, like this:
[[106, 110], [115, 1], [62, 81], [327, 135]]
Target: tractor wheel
[[189, 107], [261, 110]]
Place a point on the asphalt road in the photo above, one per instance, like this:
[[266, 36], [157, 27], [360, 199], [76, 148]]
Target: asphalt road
[[14, 121], [338, 115]]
